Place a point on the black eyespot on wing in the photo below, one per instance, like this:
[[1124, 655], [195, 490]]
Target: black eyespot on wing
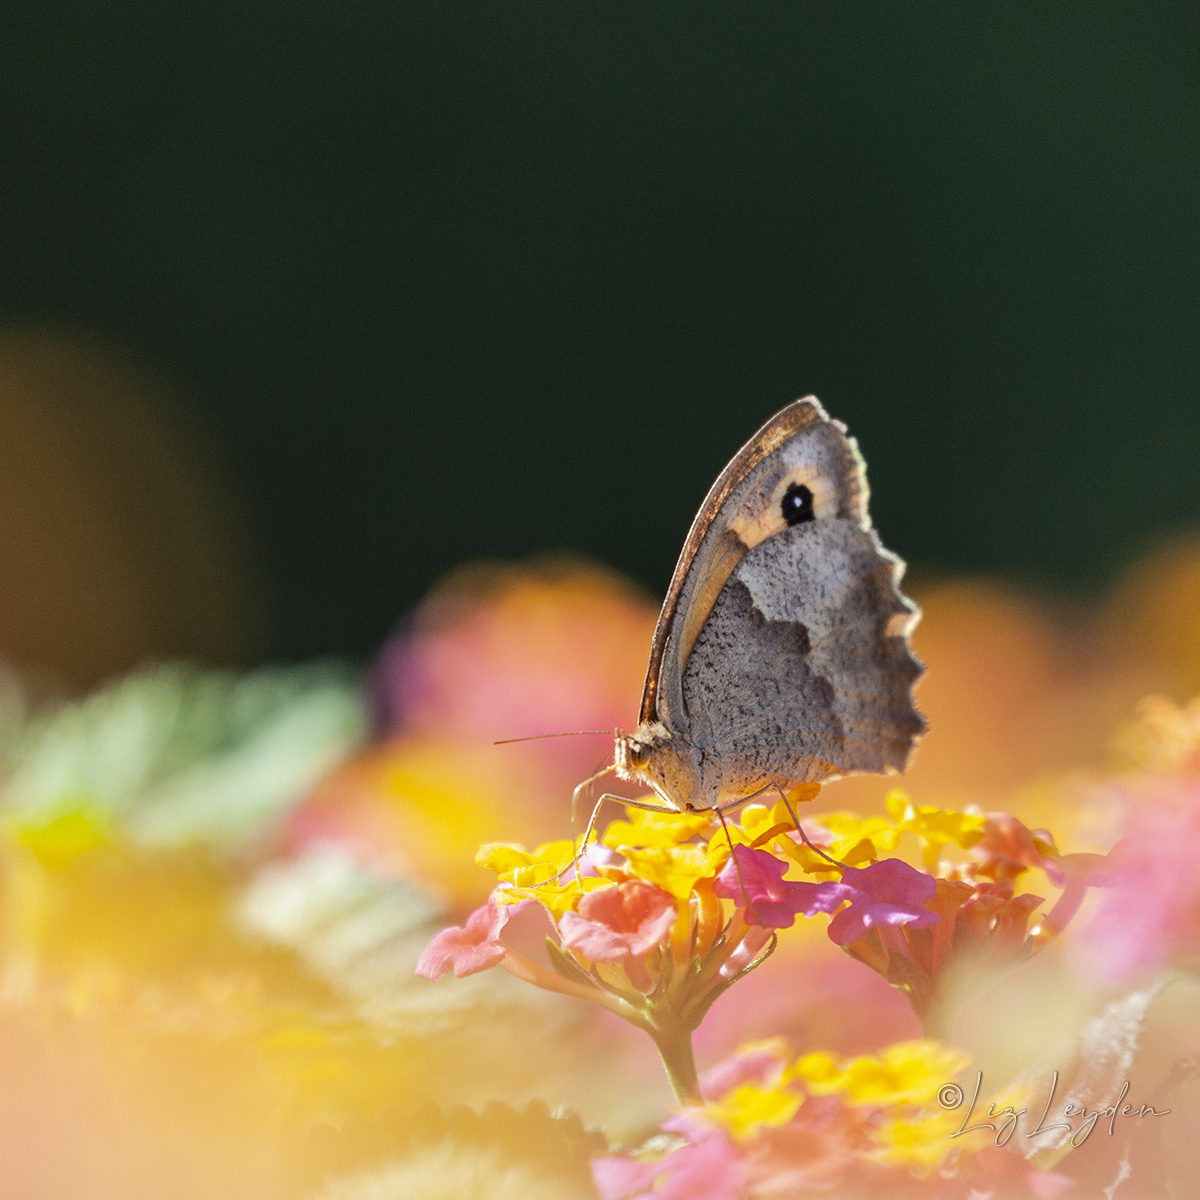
[[797, 504]]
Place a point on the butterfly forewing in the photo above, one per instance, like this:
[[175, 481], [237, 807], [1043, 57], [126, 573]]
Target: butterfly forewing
[[799, 446]]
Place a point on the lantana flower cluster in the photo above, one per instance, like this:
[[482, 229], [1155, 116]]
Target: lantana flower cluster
[[664, 912], [774, 1124], [653, 922], [958, 924]]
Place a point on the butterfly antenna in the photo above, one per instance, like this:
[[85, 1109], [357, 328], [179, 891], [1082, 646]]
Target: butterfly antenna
[[804, 836], [533, 737]]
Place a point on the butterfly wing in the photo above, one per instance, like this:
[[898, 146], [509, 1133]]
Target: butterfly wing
[[802, 670], [782, 647]]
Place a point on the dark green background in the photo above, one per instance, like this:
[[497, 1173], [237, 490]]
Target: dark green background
[[468, 277]]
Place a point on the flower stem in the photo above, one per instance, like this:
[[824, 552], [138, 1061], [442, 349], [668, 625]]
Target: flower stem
[[937, 1020], [675, 1049]]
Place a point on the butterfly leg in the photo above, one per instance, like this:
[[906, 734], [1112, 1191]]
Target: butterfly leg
[[587, 833], [658, 808], [591, 820], [800, 830], [740, 800], [591, 825], [575, 798]]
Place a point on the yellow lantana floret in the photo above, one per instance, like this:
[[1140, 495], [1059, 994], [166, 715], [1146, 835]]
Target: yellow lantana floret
[[522, 868], [856, 840], [745, 1109], [906, 1073], [758, 825], [675, 869], [556, 898], [935, 826], [757, 821], [646, 828]]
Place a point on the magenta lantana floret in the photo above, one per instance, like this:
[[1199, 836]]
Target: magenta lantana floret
[[883, 895], [756, 879]]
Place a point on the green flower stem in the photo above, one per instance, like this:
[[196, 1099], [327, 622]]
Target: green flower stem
[[937, 1021], [672, 1038], [674, 1045]]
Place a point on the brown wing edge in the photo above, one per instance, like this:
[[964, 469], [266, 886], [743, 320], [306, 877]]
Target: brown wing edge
[[786, 423], [905, 623]]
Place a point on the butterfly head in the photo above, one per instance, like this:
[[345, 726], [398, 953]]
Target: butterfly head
[[633, 753], [654, 756]]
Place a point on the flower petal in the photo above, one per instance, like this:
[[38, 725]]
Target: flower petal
[[675, 869], [469, 948], [753, 880], [886, 893], [619, 1178], [615, 923]]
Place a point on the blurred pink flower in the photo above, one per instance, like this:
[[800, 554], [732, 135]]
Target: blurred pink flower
[[616, 923], [706, 1167], [1149, 917], [495, 651], [761, 1063], [500, 651], [617, 1178], [814, 994]]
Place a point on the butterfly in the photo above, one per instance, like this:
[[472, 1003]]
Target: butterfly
[[781, 654]]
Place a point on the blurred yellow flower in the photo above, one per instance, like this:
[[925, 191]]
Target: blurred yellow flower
[[747, 1108], [919, 1143], [60, 840], [903, 1073], [1164, 737]]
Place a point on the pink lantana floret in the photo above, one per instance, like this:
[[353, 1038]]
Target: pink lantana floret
[[1009, 847], [753, 879], [472, 947], [706, 1168], [887, 893], [761, 1063], [618, 923], [619, 1178]]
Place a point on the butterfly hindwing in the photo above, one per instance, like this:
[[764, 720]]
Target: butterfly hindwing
[[802, 670]]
